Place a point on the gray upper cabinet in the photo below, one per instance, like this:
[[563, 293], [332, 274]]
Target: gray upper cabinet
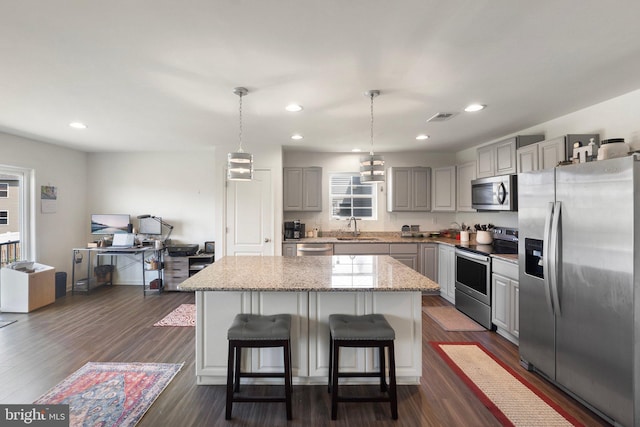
[[408, 189], [486, 161], [551, 152], [527, 158], [302, 189], [444, 189], [466, 173], [547, 154], [499, 158]]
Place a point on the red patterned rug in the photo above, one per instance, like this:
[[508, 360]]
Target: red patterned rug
[[111, 394], [510, 398], [184, 315]]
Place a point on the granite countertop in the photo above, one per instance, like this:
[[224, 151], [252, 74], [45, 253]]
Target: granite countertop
[[513, 258], [315, 273], [375, 237], [391, 237]]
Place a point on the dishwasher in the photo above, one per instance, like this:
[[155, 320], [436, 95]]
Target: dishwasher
[[310, 249]]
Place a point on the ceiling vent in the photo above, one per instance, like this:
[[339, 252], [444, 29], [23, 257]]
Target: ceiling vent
[[441, 117]]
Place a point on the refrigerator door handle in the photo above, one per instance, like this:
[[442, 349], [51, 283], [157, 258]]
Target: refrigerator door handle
[[553, 262], [546, 245]]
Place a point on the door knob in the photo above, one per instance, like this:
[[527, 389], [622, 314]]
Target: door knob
[[267, 240]]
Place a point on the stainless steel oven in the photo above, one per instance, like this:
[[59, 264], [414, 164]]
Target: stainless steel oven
[[473, 286], [473, 273]]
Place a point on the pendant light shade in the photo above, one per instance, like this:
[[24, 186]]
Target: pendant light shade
[[372, 166], [240, 163]]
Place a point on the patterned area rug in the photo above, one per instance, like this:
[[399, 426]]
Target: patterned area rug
[[111, 394], [184, 315], [4, 323], [513, 400], [450, 319]]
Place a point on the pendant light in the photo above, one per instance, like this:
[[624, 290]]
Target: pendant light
[[240, 163], [372, 166]]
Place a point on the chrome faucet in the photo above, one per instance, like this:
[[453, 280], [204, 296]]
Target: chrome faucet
[[355, 226]]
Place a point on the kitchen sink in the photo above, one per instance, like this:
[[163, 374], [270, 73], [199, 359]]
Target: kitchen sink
[[358, 238]]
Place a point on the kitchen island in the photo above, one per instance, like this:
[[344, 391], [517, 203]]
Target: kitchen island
[[310, 289]]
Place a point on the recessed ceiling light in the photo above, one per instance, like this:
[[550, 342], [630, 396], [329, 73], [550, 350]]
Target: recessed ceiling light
[[356, 150], [296, 137], [78, 125], [422, 137], [474, 107], [293, 108]]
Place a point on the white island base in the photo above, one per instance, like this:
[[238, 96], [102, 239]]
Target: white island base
[[310, 312]]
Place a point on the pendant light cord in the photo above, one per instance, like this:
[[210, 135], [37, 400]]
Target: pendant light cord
[[371, 152], [240, 131]]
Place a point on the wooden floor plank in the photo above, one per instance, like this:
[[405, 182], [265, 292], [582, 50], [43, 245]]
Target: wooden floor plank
[[115, 324]]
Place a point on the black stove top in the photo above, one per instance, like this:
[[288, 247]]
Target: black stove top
[[505, 241]]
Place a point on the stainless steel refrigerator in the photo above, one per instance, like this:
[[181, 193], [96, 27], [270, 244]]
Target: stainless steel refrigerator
[[579, 290]]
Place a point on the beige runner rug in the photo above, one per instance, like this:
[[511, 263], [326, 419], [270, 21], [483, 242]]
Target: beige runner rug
[[511, 398], [450, 319]]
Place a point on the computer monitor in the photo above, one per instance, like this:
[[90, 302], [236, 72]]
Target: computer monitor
[[109, 223], [150, 225]]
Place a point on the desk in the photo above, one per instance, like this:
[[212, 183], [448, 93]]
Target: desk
[[310, 289], [139, 253]]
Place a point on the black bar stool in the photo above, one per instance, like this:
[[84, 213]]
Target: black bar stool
[[368, 331], [256, 331]]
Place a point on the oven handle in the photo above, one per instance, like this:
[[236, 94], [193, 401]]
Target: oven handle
[[470, 255], [548, 253]]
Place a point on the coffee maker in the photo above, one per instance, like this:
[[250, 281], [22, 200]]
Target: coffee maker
[[293, 230]]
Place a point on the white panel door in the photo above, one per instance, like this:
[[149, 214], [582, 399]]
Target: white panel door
[[250, 216], [297, 305], [403, 311], [321, 305]]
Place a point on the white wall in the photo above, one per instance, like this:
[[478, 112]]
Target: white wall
[[177, 186], [349, 162], [55, 233], [614, 118], [185, 188]]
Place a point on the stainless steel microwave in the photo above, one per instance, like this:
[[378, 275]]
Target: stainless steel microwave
[[497, 193]]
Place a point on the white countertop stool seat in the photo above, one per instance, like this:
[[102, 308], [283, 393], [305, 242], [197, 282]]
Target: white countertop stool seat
[[366, 331], [257, 331]]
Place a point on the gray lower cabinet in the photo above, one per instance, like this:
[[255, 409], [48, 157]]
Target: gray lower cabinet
[[429, 260], [361, 249], [289, 249], [505, 294], [447, 272], [406, 253]]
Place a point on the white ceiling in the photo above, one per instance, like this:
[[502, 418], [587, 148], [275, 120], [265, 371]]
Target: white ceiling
[[159, 74]]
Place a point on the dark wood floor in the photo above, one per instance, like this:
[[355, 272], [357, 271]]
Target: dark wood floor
[[115, 324]]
